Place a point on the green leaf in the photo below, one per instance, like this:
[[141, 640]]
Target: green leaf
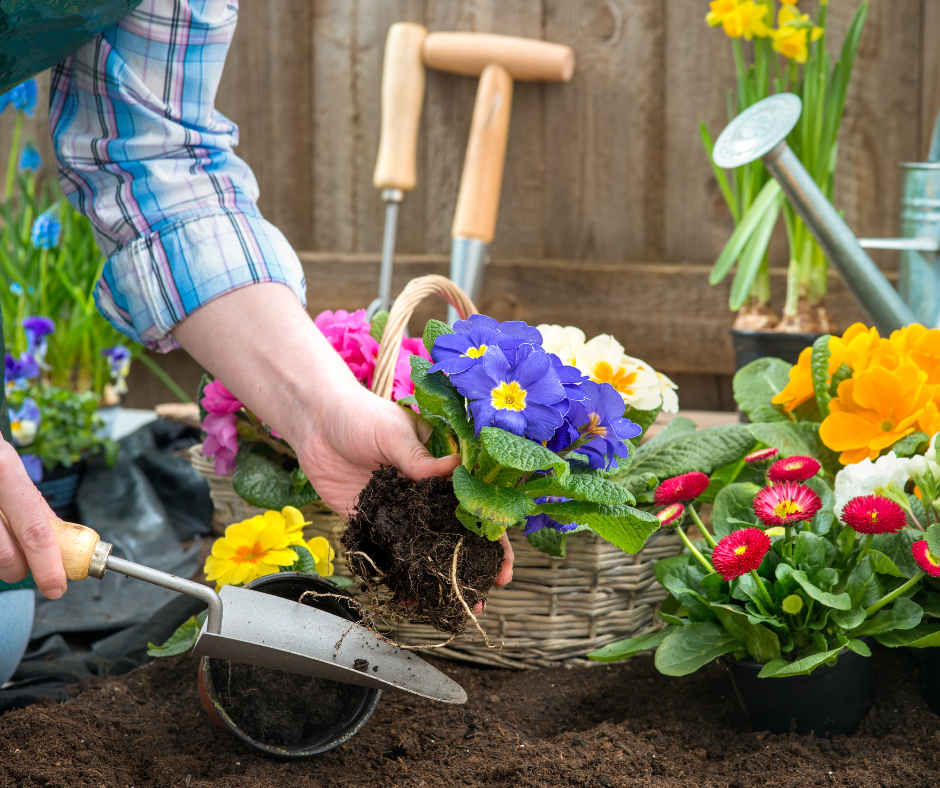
[[267, 485], [502, 506], [679, 425], [644, 418], [548, 541], [753, 256], [897, 547], [842, 374], [698, 450], [484, 528], [756, 384], [624, 526], [305, 561], [686, 649], [436, 395], [637, 484], [766, 200], [514, 451], [432, 331], [734, 502], [923, 636], [884, 565], [911, 444], [377, 326], [623, 649], [860, 647], [933, 539], [493, 472], [800, 667], [762, 644], [182, 640], [819, 366], [863, 587], [810, 550], [790, 438], [582, 486], [848, 619], [837, 601], [441, 441], [903, 614]]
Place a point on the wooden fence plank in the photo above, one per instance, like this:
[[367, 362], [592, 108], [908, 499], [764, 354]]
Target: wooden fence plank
[[929, 74]]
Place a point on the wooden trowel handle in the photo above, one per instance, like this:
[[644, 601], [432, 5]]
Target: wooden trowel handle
[[78, 544], [526, 59], [482, 179], [402, 96]]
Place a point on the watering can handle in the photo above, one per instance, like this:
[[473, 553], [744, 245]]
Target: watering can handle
[[83, 552]]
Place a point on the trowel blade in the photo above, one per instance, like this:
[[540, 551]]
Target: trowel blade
[[271, 632]]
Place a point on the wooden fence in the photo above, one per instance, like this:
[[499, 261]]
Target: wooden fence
[[610, 216]]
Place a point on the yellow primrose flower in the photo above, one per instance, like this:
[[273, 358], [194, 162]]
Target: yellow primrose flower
[[603, 361], [563, 341], [253, 548], [323, 554]]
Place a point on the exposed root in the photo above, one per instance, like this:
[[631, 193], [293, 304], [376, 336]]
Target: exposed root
[[466, 607], [378, 571]]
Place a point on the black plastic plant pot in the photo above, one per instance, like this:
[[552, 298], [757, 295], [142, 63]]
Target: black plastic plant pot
[[59, 487], [752, 345], [930, 678], [359, 702], [829, 701]]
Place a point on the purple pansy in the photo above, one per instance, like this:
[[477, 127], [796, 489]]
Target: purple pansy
[[24, 422], [19, 370], [524, 397], [536, 522], [33, 466], [458, 352], [37, 329]]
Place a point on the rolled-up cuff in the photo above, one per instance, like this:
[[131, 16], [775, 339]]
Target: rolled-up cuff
[[160, 279]]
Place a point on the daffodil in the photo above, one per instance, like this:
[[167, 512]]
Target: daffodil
[[323, 554], [874, 410], [747, 20], [604, 361], [255, 547], [719, 10], [795, 34]]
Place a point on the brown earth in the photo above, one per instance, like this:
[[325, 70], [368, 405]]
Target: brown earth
[[618, 725]]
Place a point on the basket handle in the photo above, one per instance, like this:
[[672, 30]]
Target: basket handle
[[402, 310]]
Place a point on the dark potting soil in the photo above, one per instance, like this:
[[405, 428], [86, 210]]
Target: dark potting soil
[[279, 708], [409, 531], [602, 727]]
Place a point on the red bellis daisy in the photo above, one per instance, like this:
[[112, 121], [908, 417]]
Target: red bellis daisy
[[793, 469], [761, 456], [873, 514], [926, 560], [671, 515], [783, 504], [740, 552], [681, 489]]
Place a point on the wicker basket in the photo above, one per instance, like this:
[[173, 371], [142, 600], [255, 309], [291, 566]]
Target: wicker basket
[[555, 610]]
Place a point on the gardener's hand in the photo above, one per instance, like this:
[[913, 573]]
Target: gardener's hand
[[32, 543]]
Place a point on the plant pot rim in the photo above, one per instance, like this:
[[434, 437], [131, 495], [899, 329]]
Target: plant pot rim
[[771, 332]]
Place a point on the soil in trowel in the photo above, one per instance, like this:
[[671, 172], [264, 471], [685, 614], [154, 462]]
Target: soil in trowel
[[409, 531], [281, 709]]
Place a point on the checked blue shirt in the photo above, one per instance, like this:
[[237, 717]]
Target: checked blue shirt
[[142, 152]]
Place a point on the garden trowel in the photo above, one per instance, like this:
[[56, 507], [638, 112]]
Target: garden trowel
[[260, 629]]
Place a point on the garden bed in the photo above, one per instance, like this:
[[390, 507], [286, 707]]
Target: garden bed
[[618, 725]]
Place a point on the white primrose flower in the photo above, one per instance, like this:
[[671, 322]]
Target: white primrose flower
[[668, 390], [931, 453], [563, 341], [602, 359], [867, 477], [919, 465]]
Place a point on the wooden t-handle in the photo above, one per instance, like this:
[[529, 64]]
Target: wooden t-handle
[[482, 179], [79, 546], [402, 96], [526, 59]]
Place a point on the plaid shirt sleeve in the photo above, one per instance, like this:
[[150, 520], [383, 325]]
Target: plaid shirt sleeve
[[142, 152]]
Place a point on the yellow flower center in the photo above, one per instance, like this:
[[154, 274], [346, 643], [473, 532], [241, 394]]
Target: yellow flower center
[[741, 550], [249, 555], [594, 426], [786, 508], [887, 425], [873, 516], [475, 352], [932, 558], [794, 466], [619, 378], [508, 395]]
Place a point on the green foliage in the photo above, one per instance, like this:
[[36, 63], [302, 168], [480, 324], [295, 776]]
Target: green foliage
[[622, 649], [624, 526], [681, 448], [377, 325], [182, 640], [819, 367], [436, 396], [265, 482], [549, 541], [915, 443], [432, 331], [686, 649], [756, 384], [501, 507]]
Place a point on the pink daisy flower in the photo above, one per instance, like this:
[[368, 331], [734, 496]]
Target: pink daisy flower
[[680, 489], [793, 469], [671, 515], [761, 457], [925, 559], [783, 504], [873, 514], [740, 552]]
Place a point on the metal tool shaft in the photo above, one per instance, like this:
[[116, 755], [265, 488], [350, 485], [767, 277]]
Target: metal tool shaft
[[468, 257], [178, 584], [392, 198], [882, 302]]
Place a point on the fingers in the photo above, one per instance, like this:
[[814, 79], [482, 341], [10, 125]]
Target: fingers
[[505, 569], [33, 544], [411, 457]]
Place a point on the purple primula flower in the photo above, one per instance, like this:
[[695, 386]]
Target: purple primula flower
[[24, 423], [458, 352], [570, 377], [536, 522], [47, 229], [18, 371], [30, 160], [599, 414], [33, 467], [524, 398]]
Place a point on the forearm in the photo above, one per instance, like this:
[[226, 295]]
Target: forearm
[[260, 342]]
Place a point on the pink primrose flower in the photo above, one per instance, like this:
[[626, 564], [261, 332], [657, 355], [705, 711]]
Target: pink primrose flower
[[402, 385], [221, 441], [219, 400], [348, 333]]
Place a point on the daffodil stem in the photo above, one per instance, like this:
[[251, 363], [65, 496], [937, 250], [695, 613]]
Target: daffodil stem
[[762, 591], [888, 598], [706, 535], [692, 549]]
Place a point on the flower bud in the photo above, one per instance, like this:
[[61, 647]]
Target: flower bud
[[793, 604]]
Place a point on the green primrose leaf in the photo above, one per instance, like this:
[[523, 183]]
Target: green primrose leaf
[[884, 565], [837, 601], [903, 614], [734, 503], [841, 375], [503, 506], [377, 326], [549, 541], [639, 485], [800, 667], [514, 451], [923, 636], [762, 644], [485, 528], [933, 539], [436, 395], [493, 472], [182, 640], [585, 485], [266, 484], [621, 525], [432, 331], [686, 649], [788, 437], [911, 444], [681, 449], [305, 560], [756, 384], [623, 649], [819, 366]]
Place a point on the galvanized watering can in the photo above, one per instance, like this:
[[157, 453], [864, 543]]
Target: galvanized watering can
[[760, 132]]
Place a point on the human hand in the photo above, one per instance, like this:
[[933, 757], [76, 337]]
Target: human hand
[[29, 543]]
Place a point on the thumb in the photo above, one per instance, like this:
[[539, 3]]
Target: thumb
[[411, 457]]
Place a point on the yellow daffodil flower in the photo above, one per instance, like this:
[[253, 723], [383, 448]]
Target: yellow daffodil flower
[[747, 20], [323, 554], [875, 409], [256, 547], [604, 361], [719, 10], [794, 36]]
